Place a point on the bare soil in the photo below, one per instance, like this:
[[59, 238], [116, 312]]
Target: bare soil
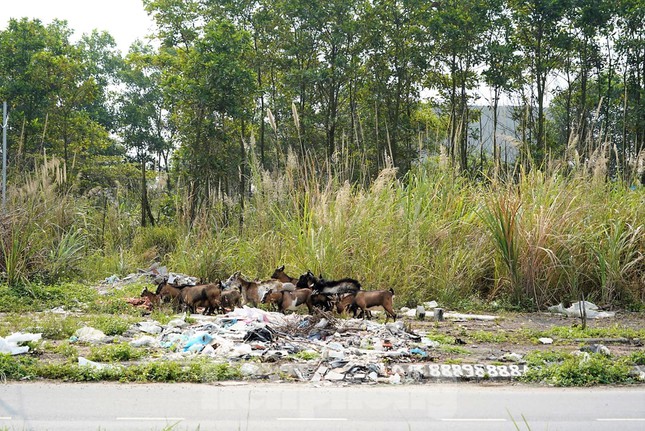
[[487, 341]]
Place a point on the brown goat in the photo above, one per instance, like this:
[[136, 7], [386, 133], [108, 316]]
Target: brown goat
[[169, 294], [282, 276], [343, 304], [287, 300], [204, 295], [231, 298], [365, 299], [252, 291], [152, 297]]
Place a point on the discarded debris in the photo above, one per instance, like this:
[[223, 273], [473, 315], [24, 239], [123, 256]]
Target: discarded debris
[[596, 348], [12, 343], [95, 365], [145, 341], [459, 316], [577, 309], [87, 334]]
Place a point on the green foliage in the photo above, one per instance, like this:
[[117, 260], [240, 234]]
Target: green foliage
[[71, 372], [66, 256], [565, 369], [155, 242], [306, 355], [196, 371], [114, 353], [636, 358], [576, 332], [501, 218], [353, 175], [39, 297], [441, 338], [56, 327], [492, 336], [454, 350], [111, 324], [68, 351], [15, 367]]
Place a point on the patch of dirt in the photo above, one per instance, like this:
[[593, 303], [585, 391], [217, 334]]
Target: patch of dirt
[[486, 341]]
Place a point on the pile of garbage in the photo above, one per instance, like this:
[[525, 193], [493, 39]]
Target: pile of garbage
[[155, 274], [270, 345]]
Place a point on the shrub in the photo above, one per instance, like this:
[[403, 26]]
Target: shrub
[[15, 367], [110, 324], [564, 369], [155, 242], [118, 352]]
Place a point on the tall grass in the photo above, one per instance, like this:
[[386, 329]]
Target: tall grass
[[544, 237], [42, 233]]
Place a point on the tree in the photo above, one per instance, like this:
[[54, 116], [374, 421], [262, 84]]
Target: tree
[[500, 61], [539, 30], [458, 29], [50, 92], [141, 116]]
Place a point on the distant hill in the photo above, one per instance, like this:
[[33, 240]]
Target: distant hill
[[482, 131]]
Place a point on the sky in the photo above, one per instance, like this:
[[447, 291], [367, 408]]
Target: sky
[[125, 20]]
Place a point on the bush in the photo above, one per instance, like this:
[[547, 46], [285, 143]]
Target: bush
[[15, 368], [110, 324], [119, 352], [154, 243], [564, 369]]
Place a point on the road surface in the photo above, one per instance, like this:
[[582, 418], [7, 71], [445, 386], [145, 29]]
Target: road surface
[[262, 406]]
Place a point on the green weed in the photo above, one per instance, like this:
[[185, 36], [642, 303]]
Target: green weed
[[306, 355], [565, 369], [110, 324], [117, 352]]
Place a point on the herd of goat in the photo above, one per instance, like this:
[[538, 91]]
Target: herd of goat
[[282, 292]]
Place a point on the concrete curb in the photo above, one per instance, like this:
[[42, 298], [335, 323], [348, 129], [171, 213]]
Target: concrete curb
[[390, 373]]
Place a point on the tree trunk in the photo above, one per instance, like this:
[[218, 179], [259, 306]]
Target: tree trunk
[[146, 213]]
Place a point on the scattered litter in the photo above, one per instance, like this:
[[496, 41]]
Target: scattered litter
[[198, 341], [179, 322], [407, 312], [334, 376], [512, 357], [95, 365], [596, 348], [545, 340], [576, 309], [111, 279], [430, 305], [145, 341], [208, 350], [87, 334], [11, 343], [638, 372], [149, 327], [249, 370], [20, 337], [459, 316], [438, 315], [179, 280], [417, 351], [259, 334]]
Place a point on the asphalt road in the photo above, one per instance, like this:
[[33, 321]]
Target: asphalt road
[[113, 406]]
